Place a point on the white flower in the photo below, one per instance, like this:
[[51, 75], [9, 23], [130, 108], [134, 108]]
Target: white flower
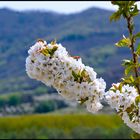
[[91, 72], [134, 125], [124, 103], [116, 99], [38, 45], [66, 94], [93, 106], [55, 69]]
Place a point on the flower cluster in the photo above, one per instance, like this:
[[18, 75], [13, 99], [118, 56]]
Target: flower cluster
[[52, 65], [125, 100]]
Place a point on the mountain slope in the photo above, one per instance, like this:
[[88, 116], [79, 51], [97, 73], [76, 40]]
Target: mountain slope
[[88, 34]]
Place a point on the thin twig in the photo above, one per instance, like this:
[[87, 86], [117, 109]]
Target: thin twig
[[135, 60]]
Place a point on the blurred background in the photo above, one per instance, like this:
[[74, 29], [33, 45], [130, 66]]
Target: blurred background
[[28, 108]]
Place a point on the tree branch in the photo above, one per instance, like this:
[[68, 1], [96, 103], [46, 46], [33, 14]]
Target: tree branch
[[135, 59]]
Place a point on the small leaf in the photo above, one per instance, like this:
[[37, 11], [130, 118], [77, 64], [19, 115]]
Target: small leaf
[[115, 87], [119, 3], [83, 100], [114, 90], [115, 16], [129, 110], [137, 80], [138, 50], [132, 78], [75, 76], [79, 72], [123, 43], [137, 35], [135, 11], [51, 51], [120, 87], [53, 42], [129, 80], [128, 70], [45, 52], [127, 62], [135, 135], [54, 48], [137, 100], [83, 73]]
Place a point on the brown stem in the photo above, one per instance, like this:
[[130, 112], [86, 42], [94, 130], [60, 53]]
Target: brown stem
[[135, 60]]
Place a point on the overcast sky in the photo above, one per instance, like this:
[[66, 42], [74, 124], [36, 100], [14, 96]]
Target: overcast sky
[[57, 6]]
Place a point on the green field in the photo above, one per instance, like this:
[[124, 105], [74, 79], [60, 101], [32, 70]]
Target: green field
[[58, 126]]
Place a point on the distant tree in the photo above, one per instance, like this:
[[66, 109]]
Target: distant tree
[[14, 100], [45, 106]]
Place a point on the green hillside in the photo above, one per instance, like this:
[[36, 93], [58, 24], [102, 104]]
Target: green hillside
[[64, 126], [88, 34]]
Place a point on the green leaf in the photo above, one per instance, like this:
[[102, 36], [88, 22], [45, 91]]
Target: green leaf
[[49, 52], [83, 100], [129, 110], [137, 35], [75, 76], [129, 66], [115, 2], [135, 11], [53, 50], [120, 87], [115, 16], [135, 135], [53, 42], [137, 80], [129, 80], [117, 87], [83, 73], [123, 43], [45, 52], [137, 100], [114, 90], [81, 76], [127, 62], [79, 72], [85, 76], [138, 50], [119, 3], [128, 70]]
